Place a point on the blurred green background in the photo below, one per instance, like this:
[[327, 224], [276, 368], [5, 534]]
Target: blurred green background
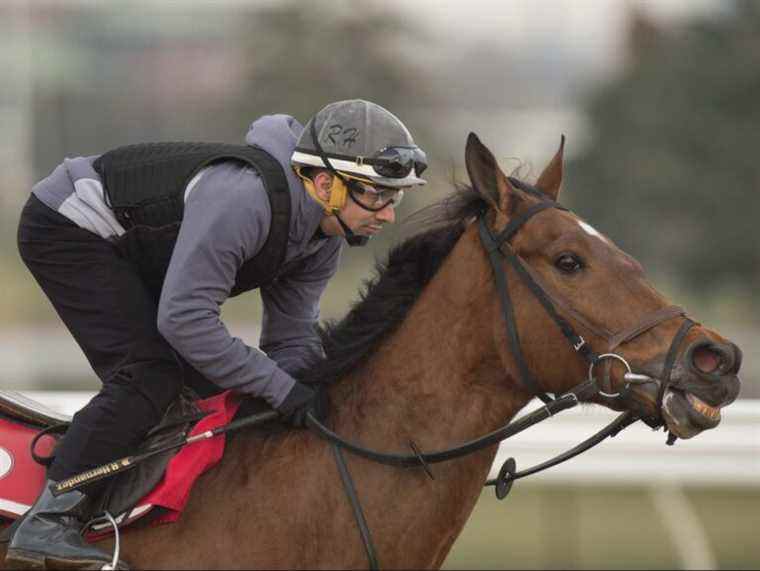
[[543, 526], [660, 102]]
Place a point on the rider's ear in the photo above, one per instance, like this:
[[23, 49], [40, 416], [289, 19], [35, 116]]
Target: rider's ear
[[323, 182], [486, 176], [550, 180]]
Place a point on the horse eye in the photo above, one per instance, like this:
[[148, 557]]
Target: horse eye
[[568, 263]]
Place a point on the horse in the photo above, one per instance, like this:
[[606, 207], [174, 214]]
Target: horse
[[424, 357]]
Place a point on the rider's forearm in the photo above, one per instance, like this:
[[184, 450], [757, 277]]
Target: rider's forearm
[[204, 342]]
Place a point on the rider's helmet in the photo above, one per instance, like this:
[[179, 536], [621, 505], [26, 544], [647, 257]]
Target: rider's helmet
[[361, 141]]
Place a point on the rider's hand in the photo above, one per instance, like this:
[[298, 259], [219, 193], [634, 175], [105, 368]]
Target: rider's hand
[[301, 400]]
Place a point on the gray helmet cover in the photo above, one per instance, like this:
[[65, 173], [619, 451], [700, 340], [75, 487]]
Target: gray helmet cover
[[351, 130]]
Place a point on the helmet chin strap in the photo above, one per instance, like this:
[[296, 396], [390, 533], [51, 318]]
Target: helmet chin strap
[[351, 238]]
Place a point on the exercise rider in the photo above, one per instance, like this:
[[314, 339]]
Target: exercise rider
[[138, 248]]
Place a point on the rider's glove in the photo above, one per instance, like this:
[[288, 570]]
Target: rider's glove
[[301, 400]]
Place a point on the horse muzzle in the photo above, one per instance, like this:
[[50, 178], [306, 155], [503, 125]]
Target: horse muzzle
[[703, 382]]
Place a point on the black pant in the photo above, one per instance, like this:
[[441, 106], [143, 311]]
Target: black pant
[[112, 315]]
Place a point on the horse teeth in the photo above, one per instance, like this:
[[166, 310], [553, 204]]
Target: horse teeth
[[703, 408]]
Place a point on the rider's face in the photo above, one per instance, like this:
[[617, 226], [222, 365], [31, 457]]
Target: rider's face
[[360, 219], [366, 222]]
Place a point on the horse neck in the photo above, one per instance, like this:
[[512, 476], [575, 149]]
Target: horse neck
[[438, 379]]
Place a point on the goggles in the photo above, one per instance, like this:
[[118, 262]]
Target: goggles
[[396, 162], [374, 198]]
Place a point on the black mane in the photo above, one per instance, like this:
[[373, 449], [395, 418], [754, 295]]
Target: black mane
[[387, 298]]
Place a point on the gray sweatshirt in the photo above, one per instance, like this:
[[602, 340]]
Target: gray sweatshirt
[[226, 222]]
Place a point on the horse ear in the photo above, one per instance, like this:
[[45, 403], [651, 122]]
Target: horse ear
[[485, 174], [550, 180]]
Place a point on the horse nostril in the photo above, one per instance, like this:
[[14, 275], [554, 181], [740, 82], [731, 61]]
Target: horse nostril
[[707, 359]]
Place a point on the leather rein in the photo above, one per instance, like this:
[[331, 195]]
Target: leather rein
[[498, 248]]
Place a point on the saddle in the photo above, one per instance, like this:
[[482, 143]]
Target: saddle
[[30, 432], [23, 420]]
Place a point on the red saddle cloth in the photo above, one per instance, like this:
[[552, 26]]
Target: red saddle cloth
[[21, 478]]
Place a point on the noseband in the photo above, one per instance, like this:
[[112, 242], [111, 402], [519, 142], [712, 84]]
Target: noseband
[[498, 249]]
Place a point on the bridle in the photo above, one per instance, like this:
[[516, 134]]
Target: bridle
[[498, 248]]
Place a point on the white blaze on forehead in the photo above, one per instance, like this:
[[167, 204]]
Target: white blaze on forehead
[[590, 230]]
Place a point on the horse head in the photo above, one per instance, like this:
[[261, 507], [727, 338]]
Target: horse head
[[654, 360]]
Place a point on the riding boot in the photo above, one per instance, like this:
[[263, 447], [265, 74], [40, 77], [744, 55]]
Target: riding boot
[[50, 535]]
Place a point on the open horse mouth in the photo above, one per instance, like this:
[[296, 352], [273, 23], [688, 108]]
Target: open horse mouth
[[686, 415]]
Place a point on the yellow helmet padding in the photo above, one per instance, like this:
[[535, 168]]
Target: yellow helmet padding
[[338, 193]]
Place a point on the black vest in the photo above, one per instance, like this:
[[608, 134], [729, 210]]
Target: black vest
[[144, 186]]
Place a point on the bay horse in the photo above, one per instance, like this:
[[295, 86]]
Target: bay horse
[[424, 357]]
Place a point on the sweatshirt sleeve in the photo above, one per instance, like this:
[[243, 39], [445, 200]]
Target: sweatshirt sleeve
[[225, 223], [291, 310]]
